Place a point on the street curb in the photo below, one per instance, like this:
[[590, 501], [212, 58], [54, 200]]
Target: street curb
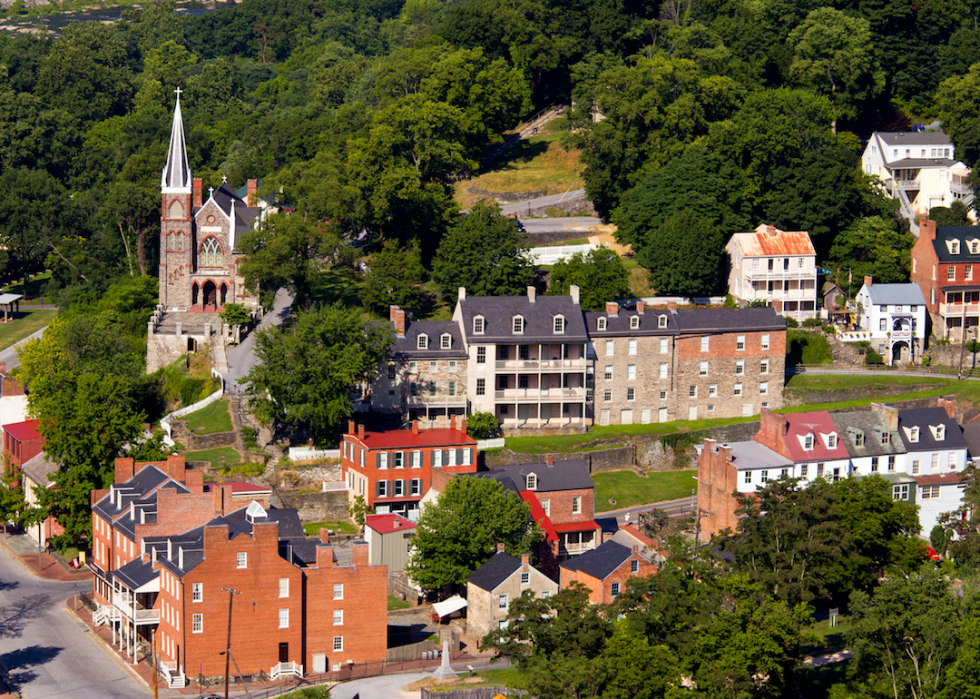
[[20, 561], [106, 649]]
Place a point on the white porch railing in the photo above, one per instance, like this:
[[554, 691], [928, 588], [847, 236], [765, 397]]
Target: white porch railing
[[284, 669]]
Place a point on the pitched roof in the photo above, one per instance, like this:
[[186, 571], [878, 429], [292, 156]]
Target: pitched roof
[[498, 313], [563, 475], [747, 456], [386, 524], [960, 233], [600, 562], [896, 294], [406, 439], [39, 469], [971, 433], [23, 431], [407, 346], [620, 324], [939, 479], [177, 171], [862, 432], [924, 419], [240, 488], [492, 573], [711, 320], [818, 423], [538, 514], [769, 240], [914, 138]]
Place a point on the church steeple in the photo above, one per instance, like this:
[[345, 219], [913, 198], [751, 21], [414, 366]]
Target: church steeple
[[177, 173]]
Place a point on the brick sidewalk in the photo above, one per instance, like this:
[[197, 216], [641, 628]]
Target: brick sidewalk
[[50, 569]]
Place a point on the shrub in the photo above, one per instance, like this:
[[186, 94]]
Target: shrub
[[250, 437], [812, 323], [830, 329], [926, 360], [791, 323], [806, 348], [249, 470], [872, 357], [482, 426]]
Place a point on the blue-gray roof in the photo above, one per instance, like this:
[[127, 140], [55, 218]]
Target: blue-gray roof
[[896, 295]]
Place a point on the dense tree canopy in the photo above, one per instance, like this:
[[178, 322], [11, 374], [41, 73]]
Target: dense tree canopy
[[600, 276]]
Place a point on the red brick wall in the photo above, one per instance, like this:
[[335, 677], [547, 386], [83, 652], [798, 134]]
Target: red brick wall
[[561, 504], [924, 255], [600, 591], [717, 482]]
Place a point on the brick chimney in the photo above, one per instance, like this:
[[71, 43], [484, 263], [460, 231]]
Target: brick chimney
[[500, 548], [415, 427], [612, 309], [397, 523], [198, 192], [532, 294], [362, 555], [947, 404], [251, 187], [525, 560], [324, 535], [607, 536], [549, 459], [452, 422], [927, 228], [573, 292], [640, 306], [867, 281], [462, 425], [672, 306], [773, 428], [324, 556], [3, 368], [194, 480], [360, 432], [351, 427], [125, 469], [771, 231], [397, 316]]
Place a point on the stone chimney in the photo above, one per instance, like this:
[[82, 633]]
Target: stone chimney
[[573, 292], [500, 548], [198, 192], [415, 427], [867, 281], [888, 412], [612, 309], [251, 188], [640, 306], [397, 316], [532, 294], [771, 231], [461, 293]]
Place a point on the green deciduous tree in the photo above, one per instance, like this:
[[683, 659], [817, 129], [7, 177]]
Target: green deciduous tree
[[395, 278], [956, 214], [958, 100], [600, 276], [684, 255], [308, 372], [833, 55], [461, 530], [482, 425], [484, 252], [871, 246]]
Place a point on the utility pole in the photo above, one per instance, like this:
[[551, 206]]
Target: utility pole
[[153, 659], [231, 598]]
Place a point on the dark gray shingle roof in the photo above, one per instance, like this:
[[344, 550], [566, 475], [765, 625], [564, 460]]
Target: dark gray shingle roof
[[499, 311], [924, 418], [729, 320], [563, 475], [871, 425], [407, 346], [500, 567], [600, 562]]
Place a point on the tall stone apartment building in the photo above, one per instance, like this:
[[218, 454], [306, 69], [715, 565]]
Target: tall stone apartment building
[[168, 555]]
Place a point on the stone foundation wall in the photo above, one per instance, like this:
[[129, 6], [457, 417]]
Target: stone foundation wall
[[195, 442], [162, 349], [317, 507]]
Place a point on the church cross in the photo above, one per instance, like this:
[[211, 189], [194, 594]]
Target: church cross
[[178, 91], [223, 179], [210, 191]]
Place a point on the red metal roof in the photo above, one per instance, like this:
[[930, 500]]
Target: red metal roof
[[405, 439], [818, 424], [537, 513], [938, 479], [385, 524], [23, 431], [635, 532], [761, 242], [587, 525]]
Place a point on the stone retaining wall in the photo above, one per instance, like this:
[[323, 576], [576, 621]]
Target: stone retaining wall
[[199, 442], [317, 507], [506, 197]]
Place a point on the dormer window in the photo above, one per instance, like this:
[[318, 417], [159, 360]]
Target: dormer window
[[914, 434], [975, 247], [423, 343], [808, 443], [532, 481], [634, 322], [661, 321], [831, 441], [885, 438], [518, 325], [478, 325], [446, 341], [600, 324], [954, 247], [559, 325], [939, 432]]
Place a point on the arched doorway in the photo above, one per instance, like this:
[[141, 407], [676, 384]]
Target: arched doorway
[[901, 352], [194, 293], [224, 293], [210, 294]]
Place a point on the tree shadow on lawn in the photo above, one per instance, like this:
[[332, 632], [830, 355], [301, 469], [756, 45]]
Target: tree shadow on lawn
[[521, 154]]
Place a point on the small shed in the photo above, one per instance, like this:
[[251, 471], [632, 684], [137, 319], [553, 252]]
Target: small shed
[[388, 537]]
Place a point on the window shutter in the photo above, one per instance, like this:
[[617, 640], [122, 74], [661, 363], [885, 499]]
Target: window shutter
[[378, 458], [445, 458], [377, 489], [459, 457]]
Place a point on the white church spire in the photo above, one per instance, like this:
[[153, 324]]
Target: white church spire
[[177, 173]]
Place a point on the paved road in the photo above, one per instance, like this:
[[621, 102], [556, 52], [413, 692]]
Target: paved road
[[9, 355], [45, 652], [384, 687], [572, 223], [551, 200], [241, 359], [670, 507]]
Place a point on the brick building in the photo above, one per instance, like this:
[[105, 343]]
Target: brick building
[[13, 399], [38, 472], [167, 556], [22, 441], [393, 470], [606, 570], [946, 266], [493, 586]]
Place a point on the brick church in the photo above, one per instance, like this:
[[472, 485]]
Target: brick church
[[198, 255]]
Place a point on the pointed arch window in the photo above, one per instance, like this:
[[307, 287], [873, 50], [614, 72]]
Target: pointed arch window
[[211, 253], [170, 241], [180, 241]]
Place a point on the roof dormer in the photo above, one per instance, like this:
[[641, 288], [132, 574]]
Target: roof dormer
[[600, 324], [517, 325], [634, 322], [559, 325], [661, 321], [953, 245], [807, 441], [912, 433], [830, 440], [423, 342], [938, 432], [974, 245], [479, 325], [531, 481], [445, 341]]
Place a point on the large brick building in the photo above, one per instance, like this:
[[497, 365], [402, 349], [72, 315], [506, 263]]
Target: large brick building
[[167, 557], [946, 266], [540, 362]]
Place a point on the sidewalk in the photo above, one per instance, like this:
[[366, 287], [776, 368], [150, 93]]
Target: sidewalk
[[23, 550]]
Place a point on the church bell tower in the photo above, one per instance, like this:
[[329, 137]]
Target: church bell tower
[[176, 217]]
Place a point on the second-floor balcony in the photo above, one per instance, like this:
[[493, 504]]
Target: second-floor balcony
[[543, 395], [535, 364], [455, 399], [781, 274], [959, 309], [124, 602]]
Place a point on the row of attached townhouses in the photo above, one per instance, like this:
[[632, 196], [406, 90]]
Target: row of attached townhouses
[[921, 451], [173, 558], [541, 362]]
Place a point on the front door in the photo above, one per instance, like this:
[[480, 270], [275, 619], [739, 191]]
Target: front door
[[210, 294], [283, 652]]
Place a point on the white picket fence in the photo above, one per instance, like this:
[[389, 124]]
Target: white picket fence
[[310, 453], [696, 300], [550, 254], [490, 443], [167, 419]]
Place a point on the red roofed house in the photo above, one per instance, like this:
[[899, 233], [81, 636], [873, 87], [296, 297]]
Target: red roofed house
[[388, 537], [778, 267], [393, 470], [21, 443], [810, 440]]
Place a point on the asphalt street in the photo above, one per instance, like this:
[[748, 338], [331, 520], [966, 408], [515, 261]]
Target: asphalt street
[[241, 359], [9, 355], [573, 224], [521, 206], [46, 653]]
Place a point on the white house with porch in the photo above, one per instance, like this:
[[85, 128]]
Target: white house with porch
[[894, 315]]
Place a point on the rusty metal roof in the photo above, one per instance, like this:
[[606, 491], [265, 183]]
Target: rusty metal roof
[[769, 240]]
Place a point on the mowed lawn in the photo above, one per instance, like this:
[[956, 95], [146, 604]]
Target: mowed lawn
[[210, 419], [27, 322], [629, 489], [337, 527], [222, 456]]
